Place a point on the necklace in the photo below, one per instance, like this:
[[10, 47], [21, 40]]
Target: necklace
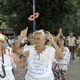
[[3, 69], [38, 54]]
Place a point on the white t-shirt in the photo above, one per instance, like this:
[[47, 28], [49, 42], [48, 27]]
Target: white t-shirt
[[7, 65], [40, 65], [63, 63], [71, 41]]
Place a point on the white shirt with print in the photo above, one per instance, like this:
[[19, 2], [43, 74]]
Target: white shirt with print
[[62, 64], [39, 65], [71, 41]]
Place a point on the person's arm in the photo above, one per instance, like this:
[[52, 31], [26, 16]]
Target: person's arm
[[17, 48], [58, 51], [48, 43], [56, 57], [21, 63], [57, 37]]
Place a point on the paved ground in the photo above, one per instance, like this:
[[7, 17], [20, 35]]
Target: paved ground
[[73, 72]]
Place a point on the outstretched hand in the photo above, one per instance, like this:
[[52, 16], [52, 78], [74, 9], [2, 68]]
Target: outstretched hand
[[26, 54], [50, 36], [60, 31], [24, 32]]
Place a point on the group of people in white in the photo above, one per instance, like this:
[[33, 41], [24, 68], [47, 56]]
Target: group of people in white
[[45, 56]]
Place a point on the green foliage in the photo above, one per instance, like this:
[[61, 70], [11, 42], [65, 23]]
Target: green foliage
[[53, 15], [3, 26], [71, 22]]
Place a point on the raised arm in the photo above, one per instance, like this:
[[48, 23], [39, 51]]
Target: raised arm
[[60, 32], [59, 53], [17, 48], [21, 63]]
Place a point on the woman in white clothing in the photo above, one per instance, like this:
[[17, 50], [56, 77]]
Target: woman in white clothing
[[7, 58], [40, 58], [72, 43], [61, 66]]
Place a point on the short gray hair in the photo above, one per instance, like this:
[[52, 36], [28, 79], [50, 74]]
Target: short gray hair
[[41, 32]]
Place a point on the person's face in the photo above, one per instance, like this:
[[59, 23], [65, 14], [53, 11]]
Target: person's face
[[71, 34], [38, 39], [10, 37], [31, 39], [1, 43], [61, 42]]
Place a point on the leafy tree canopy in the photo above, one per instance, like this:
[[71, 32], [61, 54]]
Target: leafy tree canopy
[[53, 15]]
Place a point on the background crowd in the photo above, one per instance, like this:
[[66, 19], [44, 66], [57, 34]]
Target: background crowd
[[68, 45]]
